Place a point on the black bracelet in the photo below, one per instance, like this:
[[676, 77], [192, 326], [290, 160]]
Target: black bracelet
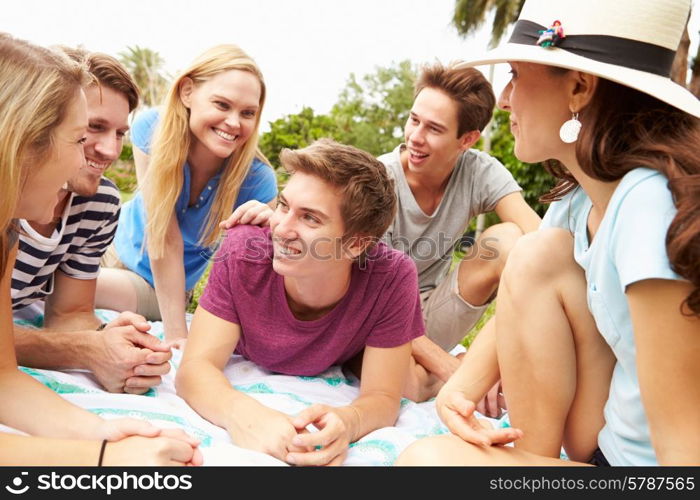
[[101, 327], [102, 452]]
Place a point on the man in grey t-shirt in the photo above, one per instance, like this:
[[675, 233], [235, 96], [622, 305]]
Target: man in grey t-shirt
[[441, 184]]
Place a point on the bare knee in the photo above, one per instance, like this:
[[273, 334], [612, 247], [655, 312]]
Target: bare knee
[[115, 291], [494, 245], [540, 256], [499, 240], [421, 452], [483, 265]]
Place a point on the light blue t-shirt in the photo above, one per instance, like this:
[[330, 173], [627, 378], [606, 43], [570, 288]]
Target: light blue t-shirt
[[629, 246], [259, 184]]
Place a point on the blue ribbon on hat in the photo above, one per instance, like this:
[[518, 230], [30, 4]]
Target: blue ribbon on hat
[[624, 52]]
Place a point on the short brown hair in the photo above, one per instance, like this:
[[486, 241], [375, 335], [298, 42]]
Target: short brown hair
[[369, 202], [467, 87], [108, 71]]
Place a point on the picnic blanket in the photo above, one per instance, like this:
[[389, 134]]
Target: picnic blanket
[[163, 407]]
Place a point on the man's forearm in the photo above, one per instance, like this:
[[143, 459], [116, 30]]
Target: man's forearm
[[70, 322], [51, 349], [431, 356], [207, 390]]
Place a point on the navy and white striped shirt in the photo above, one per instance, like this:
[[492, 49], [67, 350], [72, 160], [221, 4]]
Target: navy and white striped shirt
[[75, 247]]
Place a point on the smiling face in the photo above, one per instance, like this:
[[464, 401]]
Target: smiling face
[[223, 111], [431, 132], [538, 102], [307, 229], [65, 158], [108, 116]]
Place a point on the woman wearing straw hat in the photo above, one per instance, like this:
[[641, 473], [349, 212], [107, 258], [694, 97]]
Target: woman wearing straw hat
[[598, 327]]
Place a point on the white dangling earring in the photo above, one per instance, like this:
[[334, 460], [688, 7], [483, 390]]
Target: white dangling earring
[[570, 129]]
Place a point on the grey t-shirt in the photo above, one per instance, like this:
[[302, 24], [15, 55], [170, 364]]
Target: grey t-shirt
[[476, 185]]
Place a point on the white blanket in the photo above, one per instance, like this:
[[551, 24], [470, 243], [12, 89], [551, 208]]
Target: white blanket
[[288, 394]]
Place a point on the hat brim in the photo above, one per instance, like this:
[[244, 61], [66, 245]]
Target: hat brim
[[658, 86]]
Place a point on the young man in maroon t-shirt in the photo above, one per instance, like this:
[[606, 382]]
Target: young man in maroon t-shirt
[[313, 290]]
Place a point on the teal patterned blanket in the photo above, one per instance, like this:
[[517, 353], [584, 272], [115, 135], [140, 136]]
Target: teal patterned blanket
[[288, 394]]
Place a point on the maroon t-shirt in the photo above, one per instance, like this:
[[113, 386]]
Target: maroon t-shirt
[[380, 309]]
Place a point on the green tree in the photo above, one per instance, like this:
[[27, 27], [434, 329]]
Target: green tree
[[370, 114], [371, 111], [296, 131], [469, 15], [146, 67]]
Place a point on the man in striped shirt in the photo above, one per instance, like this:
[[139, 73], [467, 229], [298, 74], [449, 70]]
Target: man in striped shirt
[[57, 263]]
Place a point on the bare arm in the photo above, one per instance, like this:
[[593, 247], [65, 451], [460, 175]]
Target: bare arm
[[168, 271], [71, 306], [202, 383], [169, 280], [54, 350], [112, 355], [668, 350], [200, 378], [477, 373], [29, 406], [433, 358], [30, 451], [513, 208], [33, 408], [165, 450], [383, 375]]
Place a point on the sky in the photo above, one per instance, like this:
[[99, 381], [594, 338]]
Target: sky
[[305, 48]]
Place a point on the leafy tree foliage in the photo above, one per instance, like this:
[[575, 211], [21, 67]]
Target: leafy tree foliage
[[470, 15], [146, 67], [296, 131], [370, 114], [372, 111]]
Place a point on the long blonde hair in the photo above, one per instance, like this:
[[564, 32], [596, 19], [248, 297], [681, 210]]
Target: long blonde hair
[[36, 87], [171, 143]]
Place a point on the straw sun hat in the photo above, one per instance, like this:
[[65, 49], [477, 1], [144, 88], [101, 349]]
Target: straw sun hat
[[632, 42]]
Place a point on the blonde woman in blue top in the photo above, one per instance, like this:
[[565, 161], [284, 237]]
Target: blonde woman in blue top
[[598, 325], [195, 161]]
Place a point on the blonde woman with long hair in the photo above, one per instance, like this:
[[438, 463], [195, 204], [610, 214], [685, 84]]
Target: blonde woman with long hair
[[43, 120], [196, 161]]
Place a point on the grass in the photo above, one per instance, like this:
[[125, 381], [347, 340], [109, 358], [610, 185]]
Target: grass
[[199, 289], [490, 311]]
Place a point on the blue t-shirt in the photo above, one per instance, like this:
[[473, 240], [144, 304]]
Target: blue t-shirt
[[629, 246], [259, 184]]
